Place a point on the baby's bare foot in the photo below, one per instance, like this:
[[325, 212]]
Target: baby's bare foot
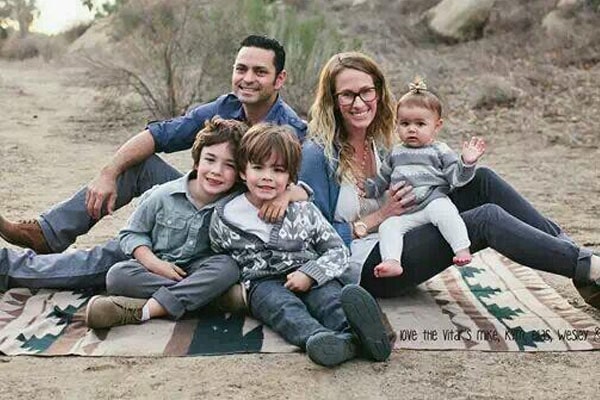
[[388, 268], [462, 257]]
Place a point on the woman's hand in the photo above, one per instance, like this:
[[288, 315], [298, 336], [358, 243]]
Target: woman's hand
[[400, 200]]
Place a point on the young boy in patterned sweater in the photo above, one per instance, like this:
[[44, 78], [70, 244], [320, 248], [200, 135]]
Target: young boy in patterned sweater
[[290, 267]]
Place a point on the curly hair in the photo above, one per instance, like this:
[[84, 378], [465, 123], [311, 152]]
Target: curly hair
[[325, 120]]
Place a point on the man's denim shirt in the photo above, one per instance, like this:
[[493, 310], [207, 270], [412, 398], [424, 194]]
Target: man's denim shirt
[[179, 133], [169, 223]]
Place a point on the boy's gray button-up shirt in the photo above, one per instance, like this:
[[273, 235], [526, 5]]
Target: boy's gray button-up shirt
[[167, 221]]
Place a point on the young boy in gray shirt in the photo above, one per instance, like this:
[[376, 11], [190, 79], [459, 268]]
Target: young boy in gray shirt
[[173, 269]]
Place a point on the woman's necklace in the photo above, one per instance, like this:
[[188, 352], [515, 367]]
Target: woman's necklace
[[360, 178]]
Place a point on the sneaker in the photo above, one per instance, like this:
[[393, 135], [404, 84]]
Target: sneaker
[[24, 234], [234, 300], [366, 319], [590, 292], [107, 311], [330, 349]]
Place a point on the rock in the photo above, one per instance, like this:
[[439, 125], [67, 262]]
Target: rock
[[493, 91], [569, 4], [557, 26], [459, 20]]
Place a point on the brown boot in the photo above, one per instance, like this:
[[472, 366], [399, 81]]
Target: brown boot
[[24, 234], [108, 311]]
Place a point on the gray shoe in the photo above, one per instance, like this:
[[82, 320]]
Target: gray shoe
[[366, 320], [108, 311], [330, 349]]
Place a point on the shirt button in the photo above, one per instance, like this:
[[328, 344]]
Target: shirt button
[[191, 242], [168, 221]]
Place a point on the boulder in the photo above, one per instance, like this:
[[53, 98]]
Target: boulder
[[493, 91], [459, 20], [558, 26]]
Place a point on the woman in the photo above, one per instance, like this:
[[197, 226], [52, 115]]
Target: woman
[[351, 126]]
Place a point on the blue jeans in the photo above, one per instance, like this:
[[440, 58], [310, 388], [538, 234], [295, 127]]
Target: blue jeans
[[80, 269], [496, 216], [64, 222], [298, 316]]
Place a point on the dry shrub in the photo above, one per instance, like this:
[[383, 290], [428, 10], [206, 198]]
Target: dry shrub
[[493, 91], [178, 53], [18, 48], [33, 45]]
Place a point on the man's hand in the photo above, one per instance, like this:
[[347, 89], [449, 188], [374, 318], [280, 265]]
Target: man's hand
[[472, 150], [101, 190], [167, 270], [299, 282]]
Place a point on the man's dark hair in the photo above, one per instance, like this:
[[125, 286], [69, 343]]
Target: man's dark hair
[[267, 43]]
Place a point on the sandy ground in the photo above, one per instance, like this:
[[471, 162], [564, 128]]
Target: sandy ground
[[51, 142]]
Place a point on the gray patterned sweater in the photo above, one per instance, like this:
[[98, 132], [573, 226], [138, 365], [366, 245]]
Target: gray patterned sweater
[[302, 241], [433, 171]]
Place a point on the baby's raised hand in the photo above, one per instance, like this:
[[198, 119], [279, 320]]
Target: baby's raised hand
[[472, 150]]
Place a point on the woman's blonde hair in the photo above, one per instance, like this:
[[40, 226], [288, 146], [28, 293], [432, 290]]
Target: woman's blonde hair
[[325, 120]]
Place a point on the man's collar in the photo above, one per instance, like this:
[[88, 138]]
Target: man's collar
[[271, 116]]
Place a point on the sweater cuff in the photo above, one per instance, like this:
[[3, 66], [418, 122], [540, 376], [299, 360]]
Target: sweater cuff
[[314, 271]]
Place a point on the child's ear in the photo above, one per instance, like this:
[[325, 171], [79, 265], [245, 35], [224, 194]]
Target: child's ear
[[438, 125], [242, 176]]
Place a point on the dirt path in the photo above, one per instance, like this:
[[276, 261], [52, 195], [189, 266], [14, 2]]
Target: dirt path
[[40, 164]]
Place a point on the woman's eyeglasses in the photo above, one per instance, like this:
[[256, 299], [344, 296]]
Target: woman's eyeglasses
[[347, 98]]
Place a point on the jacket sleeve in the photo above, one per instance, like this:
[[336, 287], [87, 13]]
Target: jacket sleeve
[[375, 187], [333, 254], [316, 172], [456, 172]]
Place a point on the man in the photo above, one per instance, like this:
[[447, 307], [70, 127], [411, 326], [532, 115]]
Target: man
[[258, 75]]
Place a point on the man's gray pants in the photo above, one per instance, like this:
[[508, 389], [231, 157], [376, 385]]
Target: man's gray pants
[[64, 222], [78, 269], [206, 279]]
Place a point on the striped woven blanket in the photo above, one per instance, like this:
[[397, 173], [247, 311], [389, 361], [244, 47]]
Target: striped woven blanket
[[491, 305]]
